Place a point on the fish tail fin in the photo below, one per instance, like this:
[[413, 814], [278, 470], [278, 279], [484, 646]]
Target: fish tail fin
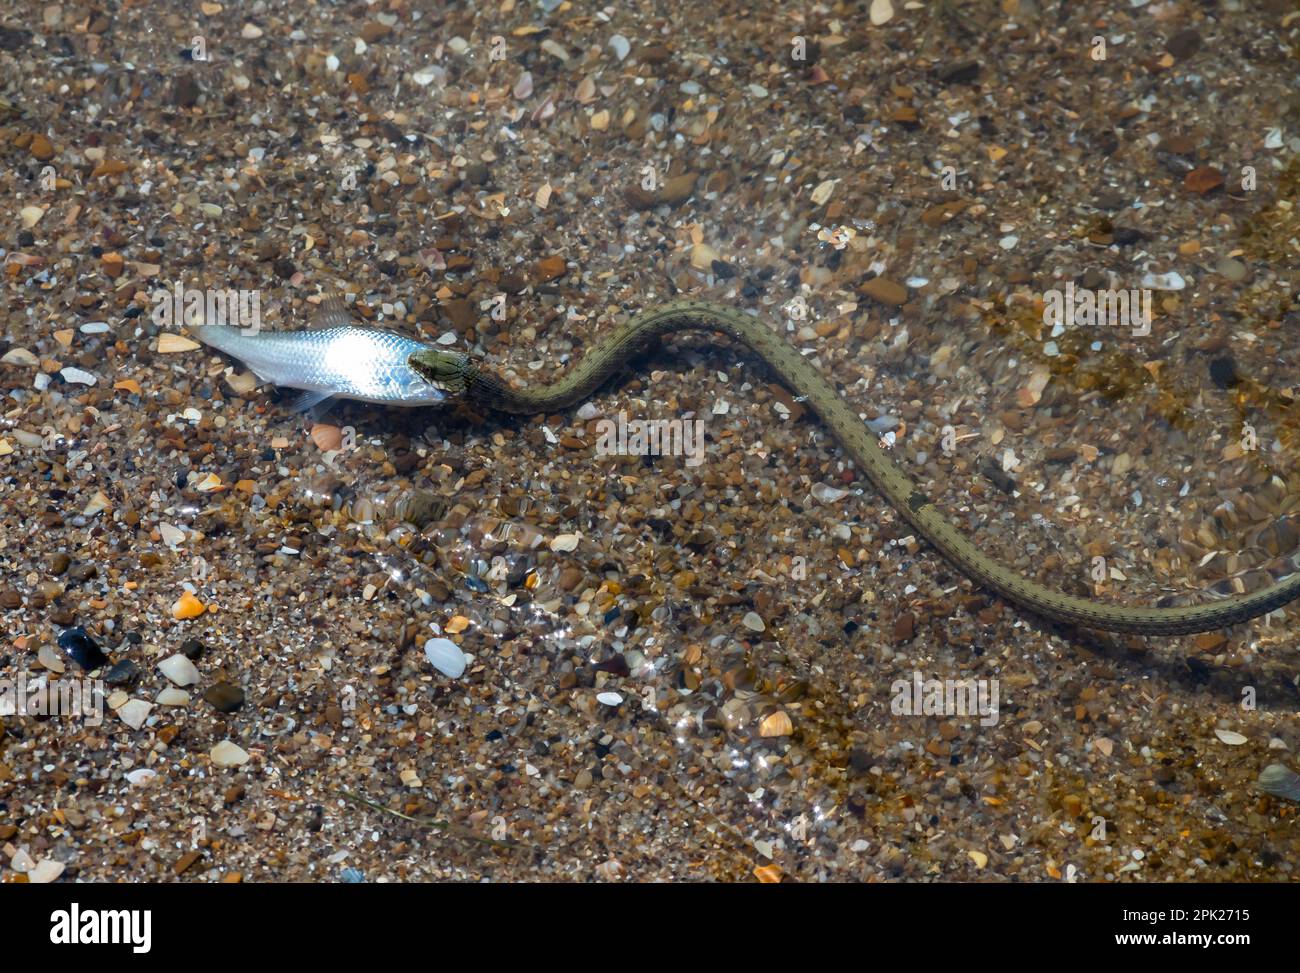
[[222, 337], [231, 340]]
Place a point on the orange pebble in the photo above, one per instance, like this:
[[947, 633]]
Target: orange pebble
[[187, 606]]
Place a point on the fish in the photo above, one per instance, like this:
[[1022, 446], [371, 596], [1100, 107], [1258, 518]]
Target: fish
[[333, 359]]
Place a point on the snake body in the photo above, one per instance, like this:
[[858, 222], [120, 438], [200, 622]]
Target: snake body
[[457, 373]]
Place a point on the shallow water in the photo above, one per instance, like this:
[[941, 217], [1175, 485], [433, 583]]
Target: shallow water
[[760, 616]]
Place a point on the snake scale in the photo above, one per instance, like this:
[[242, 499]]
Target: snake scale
[[459, 374]]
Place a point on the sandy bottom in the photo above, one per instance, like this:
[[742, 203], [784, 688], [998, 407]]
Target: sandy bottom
[[678, 667]]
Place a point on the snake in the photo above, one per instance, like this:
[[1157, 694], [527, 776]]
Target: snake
[[460, 375]]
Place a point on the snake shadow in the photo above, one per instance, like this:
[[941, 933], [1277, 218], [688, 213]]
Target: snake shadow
[[1275, 688]]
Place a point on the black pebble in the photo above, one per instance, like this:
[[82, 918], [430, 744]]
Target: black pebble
[[191, 648], [1223, 372], [615, 665], [225, 697], [82, 648], [122, 674]]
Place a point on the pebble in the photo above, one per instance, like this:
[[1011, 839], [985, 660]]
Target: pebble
[[171, 696], [1203, 179], [134, 712], [1230, 737], [609, 699], [1233, 270], [1184, 43], [82, 649], [20, 356], [754, 622], [904, 627], [885, 291], [228, 754], [825, 493], [171, 343], [1172, 281], [46, 870], [776, 724], [445, 656], [179, 670], [49, 659], [224, 696], [187, 606]]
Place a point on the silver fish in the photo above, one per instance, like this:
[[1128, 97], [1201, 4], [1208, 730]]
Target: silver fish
[[333, 360]]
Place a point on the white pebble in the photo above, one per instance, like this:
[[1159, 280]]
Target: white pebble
[[827, 493], [228, 754], [425, 76], [46, 871], [609, 699], [1172, 281], [179, 670], [620, 45], [19, 356], [753, 622], [171, 696], [134, 712], [445, 656], [49, 659], [77, 376]]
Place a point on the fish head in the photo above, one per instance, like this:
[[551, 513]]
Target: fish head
[[446, 371]]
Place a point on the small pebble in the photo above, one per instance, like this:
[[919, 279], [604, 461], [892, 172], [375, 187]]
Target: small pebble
[[445, 656], [179, 670]]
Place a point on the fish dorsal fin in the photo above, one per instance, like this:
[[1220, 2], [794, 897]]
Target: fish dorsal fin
[[331, 312]]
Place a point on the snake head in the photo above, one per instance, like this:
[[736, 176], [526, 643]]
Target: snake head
[[444, 370]]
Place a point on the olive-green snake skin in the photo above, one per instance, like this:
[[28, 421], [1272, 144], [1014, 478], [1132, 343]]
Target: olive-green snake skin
[[460, 374]]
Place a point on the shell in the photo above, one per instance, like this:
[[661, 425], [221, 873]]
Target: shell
[[1281, 781]]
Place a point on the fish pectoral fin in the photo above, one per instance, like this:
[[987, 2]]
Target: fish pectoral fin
[[317, 403]]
